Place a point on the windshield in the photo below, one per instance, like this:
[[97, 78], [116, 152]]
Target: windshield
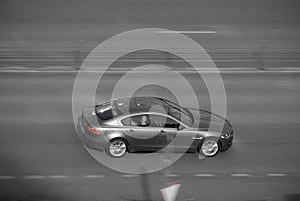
[[180, 113]]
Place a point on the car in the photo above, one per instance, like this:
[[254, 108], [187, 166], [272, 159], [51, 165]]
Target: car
[[149, 124]]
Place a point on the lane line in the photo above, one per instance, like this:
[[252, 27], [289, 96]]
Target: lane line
[[276, 174], [240, 175], [34, 177], [7, 177], [204, 175], [130, 175], [172, 175], [188, 32], [58, 176], [93, 176], [135, 176]]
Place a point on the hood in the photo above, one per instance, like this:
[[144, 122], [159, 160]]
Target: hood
[[204, 119]]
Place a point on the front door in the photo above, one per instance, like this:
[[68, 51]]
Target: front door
[[138, 132]]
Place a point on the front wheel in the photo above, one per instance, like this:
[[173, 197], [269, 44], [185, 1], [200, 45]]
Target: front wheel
[[210, 147], [117, 148]]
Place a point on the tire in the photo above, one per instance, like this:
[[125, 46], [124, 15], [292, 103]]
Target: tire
[[210, 147], [117, 148]]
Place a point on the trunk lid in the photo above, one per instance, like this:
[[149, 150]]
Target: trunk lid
[[89, 117]]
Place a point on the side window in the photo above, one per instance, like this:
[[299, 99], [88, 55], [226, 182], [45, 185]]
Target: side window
[[162, 121], [138, 120], [126, 121], [157, 120], [171, 123]]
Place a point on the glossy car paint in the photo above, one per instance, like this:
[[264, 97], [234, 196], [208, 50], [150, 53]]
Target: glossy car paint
[[149, 139]]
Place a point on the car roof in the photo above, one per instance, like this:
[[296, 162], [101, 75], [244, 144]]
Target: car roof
[[132, 105], [118, 108], [139, 104]]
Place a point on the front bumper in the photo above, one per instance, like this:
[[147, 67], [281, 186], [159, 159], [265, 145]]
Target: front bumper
[[226, 142], [90, 140]]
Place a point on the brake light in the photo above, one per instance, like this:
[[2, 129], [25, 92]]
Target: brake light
[[92, 130]]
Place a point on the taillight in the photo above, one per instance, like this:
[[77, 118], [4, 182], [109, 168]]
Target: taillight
[[92, 130]]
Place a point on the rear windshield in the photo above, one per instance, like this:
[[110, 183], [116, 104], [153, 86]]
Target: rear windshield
[[104, 111]]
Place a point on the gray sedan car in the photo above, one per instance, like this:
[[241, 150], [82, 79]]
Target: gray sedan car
[[152, 124]]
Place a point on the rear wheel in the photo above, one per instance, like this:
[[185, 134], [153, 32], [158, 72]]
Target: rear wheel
[[117, 148], [210, 147]]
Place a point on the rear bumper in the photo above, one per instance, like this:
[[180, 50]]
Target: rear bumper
[[90, 140]]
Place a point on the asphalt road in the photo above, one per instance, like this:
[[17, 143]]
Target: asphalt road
[[42, 157], [43, 33]]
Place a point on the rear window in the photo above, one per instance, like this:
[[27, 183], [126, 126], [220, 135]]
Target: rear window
[[104, 111]]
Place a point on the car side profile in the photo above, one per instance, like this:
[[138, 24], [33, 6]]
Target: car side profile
[[132, 125]]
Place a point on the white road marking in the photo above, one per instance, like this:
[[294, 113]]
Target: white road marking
[[34, 177], [240, 175], [276, 175], [204, 175], [7, 177], [93, 176], [130, 175], [187, 32], [58, 176], [134, 175], [172, 175]]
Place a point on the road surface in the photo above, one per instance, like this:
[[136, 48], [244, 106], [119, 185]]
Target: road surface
[[237, 33], [42, 157]]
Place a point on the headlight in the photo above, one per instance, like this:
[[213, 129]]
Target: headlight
[[226, 135]]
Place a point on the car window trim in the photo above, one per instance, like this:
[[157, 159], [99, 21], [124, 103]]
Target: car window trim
[[148, 113]]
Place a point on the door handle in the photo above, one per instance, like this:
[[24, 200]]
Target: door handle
[[162, 131], [130, 130]]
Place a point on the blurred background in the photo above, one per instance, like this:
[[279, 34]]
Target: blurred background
[[255, 44]]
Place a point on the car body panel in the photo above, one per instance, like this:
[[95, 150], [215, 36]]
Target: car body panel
[[144, 138], [140, 139]]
